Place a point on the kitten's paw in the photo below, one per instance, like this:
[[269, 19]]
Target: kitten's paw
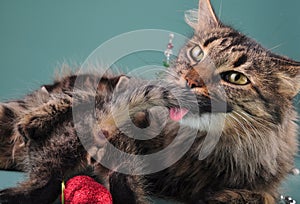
[[27, 127], [32, 192], [17, 196], [7, 197], [39, 122]]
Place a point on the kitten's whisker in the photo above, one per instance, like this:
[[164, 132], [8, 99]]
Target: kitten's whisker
[[275, 47]]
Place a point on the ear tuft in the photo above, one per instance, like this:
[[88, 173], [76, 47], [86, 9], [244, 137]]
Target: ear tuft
[[202, 18], [191, 17], [290, 83], [122, 84]]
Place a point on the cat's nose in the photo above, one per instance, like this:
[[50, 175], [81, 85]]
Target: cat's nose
[[193, 83], [193, 79]]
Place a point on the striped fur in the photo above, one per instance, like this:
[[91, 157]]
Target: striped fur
[[252, 157], [259, 139]]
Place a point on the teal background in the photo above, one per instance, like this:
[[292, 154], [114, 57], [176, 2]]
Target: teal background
[[37, 36]]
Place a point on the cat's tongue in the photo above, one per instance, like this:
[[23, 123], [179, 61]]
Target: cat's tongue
[[177, 114]]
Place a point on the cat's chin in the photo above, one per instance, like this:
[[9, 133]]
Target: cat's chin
[[205, 122]]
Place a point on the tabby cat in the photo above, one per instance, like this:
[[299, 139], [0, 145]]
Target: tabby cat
[[259, 139], [247, 164]]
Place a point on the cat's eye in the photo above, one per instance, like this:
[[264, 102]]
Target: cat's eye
[[196, 53], [236, 78]]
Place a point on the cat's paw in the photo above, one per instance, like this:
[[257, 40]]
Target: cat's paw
[[236, 196]]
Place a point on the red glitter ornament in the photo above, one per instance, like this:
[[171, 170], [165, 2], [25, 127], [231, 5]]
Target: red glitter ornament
[[84, 189]]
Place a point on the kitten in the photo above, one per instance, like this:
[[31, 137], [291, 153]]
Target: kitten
[[12, 149], [53, 141]]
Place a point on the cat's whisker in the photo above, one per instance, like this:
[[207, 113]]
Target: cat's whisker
[[220, 9], [244, 128], [172, 74], [240, 127], [250, 122], [262, 124]]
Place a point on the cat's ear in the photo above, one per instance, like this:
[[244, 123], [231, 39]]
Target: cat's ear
[[290, 80], [202, 19], [122, 83]]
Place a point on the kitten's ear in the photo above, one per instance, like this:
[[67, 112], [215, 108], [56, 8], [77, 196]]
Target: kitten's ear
[[202, 19], [44, 90], [122, 84], [290, 81]]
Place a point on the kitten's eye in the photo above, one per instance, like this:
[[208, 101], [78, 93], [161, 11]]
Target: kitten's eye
[[196, 53], [236, 78]]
